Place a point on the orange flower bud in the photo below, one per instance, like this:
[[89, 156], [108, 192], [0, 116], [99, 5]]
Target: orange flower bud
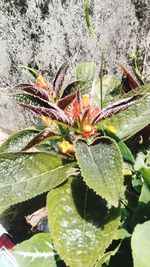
[[41, 83], [46, 120]]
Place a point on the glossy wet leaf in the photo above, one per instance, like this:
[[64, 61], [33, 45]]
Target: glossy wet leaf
[[82, 226], [26, 175], [38, 251], [140, 244], [18, 140], [101, 168], [86, 71]]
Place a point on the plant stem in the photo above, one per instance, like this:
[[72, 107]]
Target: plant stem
[[94, 36], [101, 80]]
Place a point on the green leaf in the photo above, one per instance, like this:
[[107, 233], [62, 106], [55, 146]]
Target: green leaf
[[121, 234], [132, 120], [111, 90], [142, 212], [86, 71], [26, 175], [18, 140], [74, 86], [139, 90], [125, 151], [140, 244], [142, 165], [101, 168], [106, 257], [82, 226], [36, 252], [123, 257]]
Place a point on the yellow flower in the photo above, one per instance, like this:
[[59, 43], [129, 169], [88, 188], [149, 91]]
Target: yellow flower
[[112, 129], [86, 100], [66, 147]]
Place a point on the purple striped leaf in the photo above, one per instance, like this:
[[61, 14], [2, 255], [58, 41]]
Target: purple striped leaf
[[46, 134], [26, 98], [56, 115], [59, 79], [64, 102], [115, 108], [73, 87], [36, 92]]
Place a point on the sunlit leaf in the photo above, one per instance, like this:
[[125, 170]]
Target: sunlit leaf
[[82, 226], [116, 108], [26, 175], [106, 257], [111, 91], [18, 140], [42, 107], [142, 165], [132, 120], [125, 151], [86, 71], [47, 134], [140, 244], [101, 168], [36, 252]]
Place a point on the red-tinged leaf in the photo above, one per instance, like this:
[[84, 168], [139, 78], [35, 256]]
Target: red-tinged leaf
[[115, 108], [73, 87], [42, 107], [66, 101], [36, 92], [131, 80], [60, 78], [29, 99], [56, 115], [42, 136]]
